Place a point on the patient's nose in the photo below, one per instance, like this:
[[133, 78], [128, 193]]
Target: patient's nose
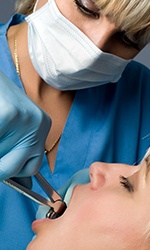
[[98, 174], [108, 174]]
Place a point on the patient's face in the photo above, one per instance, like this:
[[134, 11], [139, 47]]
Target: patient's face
[[110, 212]]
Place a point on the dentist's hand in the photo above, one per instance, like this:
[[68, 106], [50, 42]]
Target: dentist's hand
[[23, 131]]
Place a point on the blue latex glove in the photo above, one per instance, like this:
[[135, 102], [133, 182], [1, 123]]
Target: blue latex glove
[[23, 131]]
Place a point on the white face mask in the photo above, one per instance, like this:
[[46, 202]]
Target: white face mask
[[64, 56]]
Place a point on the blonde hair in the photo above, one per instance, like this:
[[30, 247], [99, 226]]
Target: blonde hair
[[130, 16], [25, 6]]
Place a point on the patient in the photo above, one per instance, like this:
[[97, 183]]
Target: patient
[[112, 212]]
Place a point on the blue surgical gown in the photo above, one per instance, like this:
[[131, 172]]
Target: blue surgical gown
[[108, 123]]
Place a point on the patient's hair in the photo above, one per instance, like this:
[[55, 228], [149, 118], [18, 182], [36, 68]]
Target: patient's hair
[[131, 16]]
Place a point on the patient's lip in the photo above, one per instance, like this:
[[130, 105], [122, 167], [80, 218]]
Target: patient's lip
[[37, 223]]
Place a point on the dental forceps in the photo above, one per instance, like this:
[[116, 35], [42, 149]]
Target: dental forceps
[[56, 204]]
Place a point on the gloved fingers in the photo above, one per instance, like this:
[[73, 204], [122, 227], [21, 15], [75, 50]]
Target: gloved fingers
[[31, 167], [10, 164], [19, 159]]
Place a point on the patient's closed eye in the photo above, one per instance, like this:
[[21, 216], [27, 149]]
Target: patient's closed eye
[[126, 184]]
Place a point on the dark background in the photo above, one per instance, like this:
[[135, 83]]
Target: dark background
[[7, 8]]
